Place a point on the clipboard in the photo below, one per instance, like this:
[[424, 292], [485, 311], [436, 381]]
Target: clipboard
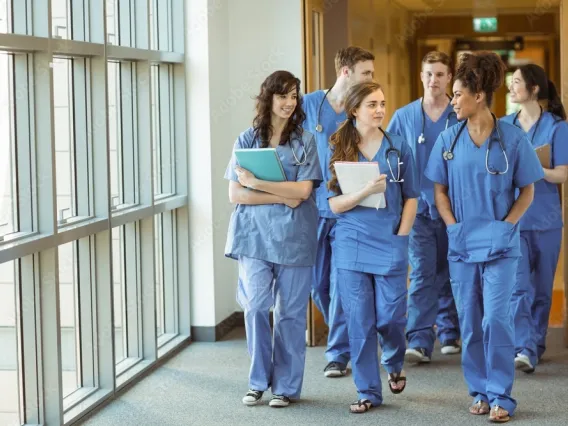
[[353, 176], [543, 154]]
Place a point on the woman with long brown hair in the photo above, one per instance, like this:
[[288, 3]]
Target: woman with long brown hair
[[371, 244], [273, 235]]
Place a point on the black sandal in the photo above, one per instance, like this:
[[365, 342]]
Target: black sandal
[[361, 403], [395, 378]]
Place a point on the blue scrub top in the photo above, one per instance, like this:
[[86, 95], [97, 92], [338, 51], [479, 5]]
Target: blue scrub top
[[365, 238], [480, 201], [545, 212], [330, 121], [277, 233], [407, 122]]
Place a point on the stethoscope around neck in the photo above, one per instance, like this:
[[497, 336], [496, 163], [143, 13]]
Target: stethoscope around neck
[[421, 138], [535, 127], [319, 127], [449, 154], [392, 150]]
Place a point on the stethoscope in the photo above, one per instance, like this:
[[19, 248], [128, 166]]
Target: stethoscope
[[449, 154], [421, 138], [304, 155], [319, 127], [535, 127], [392, 150]]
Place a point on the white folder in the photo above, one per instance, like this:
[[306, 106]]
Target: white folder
[[354, 176]]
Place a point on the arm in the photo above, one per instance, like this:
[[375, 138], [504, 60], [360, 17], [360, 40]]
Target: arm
[[408, 216], [521, 204], [296, 190], [345, 202], [559, 174], [238, 194], [443, 204]]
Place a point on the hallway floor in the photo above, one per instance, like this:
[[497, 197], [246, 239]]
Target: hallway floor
[[204, 384]]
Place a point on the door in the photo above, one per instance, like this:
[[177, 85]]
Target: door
[[313, 80]]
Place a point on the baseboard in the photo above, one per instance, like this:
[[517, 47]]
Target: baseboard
[[216, 333]]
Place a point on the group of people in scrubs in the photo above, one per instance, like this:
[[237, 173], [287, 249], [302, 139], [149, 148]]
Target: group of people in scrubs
[[459, 186]]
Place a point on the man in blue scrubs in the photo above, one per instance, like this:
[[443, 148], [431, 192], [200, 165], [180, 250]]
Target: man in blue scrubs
[[430, 299], [324, 113]]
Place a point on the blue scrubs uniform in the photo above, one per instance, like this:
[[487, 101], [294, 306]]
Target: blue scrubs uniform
[[372, 269], [324, 288], [430, 299], [541, 237], [484, 250], [275, 246]]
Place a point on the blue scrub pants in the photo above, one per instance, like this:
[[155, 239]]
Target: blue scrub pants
[[287, 288], [483, 293], [532, 298], [373, 303], [326, 295], [430, 299]]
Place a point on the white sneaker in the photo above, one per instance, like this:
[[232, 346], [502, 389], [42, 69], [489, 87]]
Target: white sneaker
[[451, 347], [523, 363], [252, 397], [279, 401], [416, 356]]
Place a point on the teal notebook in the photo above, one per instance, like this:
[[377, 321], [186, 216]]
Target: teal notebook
[[264, 163]]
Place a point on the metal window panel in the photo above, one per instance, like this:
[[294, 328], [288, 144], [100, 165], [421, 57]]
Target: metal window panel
[[98, 128], [30, 322], [163, 16], [178, 23], [148, 289], [25, 156], [125, 20], [21, 14], [86, 315], [45, 144], [179, 130], [169, 279], [165, 156], [182, 270], [40, 11], [144, 132], [133, 300], [78, 19], [129, 145], [97, 21], [47, 282], [142, 33], [83, 157]]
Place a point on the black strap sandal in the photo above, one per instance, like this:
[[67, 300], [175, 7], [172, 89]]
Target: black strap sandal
[[395, 378], [355, 407]]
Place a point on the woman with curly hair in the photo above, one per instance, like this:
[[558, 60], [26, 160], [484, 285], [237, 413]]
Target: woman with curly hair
[[371, 244], [273, 235], [477, 167]]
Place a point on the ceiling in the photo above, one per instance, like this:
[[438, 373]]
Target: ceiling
[[448, 6]]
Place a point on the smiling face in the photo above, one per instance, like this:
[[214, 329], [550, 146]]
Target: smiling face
[[371, 112], [435, 78], [465, 102], [518, 92], [283, 106]]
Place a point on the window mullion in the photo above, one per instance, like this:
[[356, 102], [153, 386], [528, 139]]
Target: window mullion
[[85, 313], [80, 139], [128, 148], [164, 145], [148, 289], [169, 281]]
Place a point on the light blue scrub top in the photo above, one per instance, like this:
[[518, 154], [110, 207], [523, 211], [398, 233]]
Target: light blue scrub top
[[407, 122], [330, 121], [545, 212], [480, 201], [365, 238], [277, 233]]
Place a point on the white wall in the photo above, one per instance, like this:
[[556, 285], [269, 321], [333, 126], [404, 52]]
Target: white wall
[[233, 45]]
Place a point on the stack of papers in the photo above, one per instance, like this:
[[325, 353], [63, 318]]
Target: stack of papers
[[354, 176]]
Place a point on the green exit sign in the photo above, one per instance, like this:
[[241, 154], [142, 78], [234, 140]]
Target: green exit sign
[[485, 25]]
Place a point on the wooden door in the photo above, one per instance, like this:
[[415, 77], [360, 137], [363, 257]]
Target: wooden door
[[313, 79]]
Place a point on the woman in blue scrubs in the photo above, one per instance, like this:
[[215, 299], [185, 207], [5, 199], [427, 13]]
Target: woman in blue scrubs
[[477, 166], [371, 245], [541, 226], [273, 235]]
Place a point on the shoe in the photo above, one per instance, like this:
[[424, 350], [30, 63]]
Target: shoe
[[451, 347], [252, 397], [279, 401], [416, 356], [523, 363], [335, 369]]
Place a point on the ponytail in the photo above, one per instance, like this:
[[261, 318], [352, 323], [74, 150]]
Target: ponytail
[[554, 102], [344, 148]]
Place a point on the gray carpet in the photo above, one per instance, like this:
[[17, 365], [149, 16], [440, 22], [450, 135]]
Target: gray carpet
[[204, 384]]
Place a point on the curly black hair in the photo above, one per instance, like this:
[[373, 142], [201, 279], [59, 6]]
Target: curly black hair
[[481, 72]]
